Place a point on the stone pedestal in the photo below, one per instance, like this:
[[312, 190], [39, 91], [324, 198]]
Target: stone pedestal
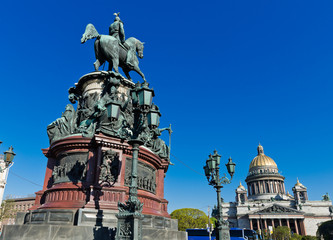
[[88, 172]]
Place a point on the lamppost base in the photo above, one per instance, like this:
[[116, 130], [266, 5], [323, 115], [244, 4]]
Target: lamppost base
[[129, 226], [222, 230]]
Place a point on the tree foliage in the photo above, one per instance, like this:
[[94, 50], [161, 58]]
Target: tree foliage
[[296, 236], [326, 230], [309, 237], [190, 218], [7, 209], [281, 233]]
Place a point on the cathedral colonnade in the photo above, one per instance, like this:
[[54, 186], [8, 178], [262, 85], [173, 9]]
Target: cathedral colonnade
[[263, 222], [266, 186]]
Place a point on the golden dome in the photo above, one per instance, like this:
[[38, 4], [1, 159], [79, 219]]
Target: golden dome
[[299, 184], [240, 186], [261, 160]]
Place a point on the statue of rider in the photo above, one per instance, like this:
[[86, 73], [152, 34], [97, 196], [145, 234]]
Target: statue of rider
[[116, 30]]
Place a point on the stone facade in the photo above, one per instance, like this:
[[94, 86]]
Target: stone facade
[[266, 203]]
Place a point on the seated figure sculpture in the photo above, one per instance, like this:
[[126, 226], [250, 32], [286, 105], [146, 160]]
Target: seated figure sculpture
[[156, 144], [62, 126]]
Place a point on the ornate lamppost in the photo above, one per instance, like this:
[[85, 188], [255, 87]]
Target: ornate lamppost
[[5, 163], [212, 172], [130, 213]]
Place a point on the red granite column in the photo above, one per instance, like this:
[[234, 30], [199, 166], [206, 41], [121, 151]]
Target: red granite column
[[258, 224], [296, 227], [265, 222]]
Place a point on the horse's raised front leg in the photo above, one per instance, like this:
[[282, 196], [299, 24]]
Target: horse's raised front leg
[[137, 69]]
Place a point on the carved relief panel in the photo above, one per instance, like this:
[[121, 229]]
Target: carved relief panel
[[70, 168], [146, 176]]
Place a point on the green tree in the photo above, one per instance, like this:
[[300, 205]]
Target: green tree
[[190, 218], [7, 209], [281, 233], [308, 237], [326, 230], [296, 236]]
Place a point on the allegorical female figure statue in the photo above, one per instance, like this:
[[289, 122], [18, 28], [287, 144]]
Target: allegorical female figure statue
[[156, 144], [63, 126]]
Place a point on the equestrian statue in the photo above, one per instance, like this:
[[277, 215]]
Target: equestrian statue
[[114, 49]]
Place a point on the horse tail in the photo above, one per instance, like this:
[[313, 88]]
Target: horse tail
[[90, 33]]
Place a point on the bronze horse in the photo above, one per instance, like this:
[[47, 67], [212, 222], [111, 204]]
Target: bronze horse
[[107, 48]]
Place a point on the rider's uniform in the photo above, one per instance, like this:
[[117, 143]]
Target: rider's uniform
[[116, 30]]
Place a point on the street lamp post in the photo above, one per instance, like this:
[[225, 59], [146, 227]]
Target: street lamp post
[[130, 213], [5, 163], [212, 172]]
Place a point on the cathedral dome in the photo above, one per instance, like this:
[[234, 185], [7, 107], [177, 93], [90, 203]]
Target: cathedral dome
[[261, 160]]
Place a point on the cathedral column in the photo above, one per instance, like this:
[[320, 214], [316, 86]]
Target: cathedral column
[[251, 225], [280, 223], [303, 232], [288, 225], [265, 222], [305, 196], [258, 187], [296, 227], [258, 224], [273, 223]]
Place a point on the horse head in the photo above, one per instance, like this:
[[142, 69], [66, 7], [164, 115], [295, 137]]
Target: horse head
[[136, 45], [139, 48]]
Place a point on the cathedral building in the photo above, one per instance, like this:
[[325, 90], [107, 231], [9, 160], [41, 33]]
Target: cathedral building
[[266, 204]]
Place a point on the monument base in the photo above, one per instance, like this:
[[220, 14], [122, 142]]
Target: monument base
[[85, 224]]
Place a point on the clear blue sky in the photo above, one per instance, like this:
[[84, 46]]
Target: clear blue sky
[[227, 74]]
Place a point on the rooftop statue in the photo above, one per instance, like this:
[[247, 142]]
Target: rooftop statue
[[114, 49], [326, 197]]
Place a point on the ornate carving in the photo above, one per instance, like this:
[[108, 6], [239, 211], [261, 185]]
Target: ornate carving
[[146, 176], [70, 168], [133, 206], [87, 115], [277, 209], [125, 229], [109, 169]]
